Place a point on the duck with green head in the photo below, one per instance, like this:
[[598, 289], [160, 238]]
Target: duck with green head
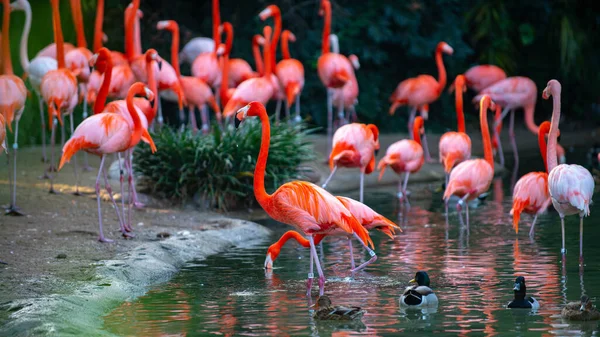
[[520, 300], [583, 310], [420, 294], [324, 311]]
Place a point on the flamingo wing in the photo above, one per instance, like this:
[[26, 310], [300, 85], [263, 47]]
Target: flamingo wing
[[368, 217], [572, 184]]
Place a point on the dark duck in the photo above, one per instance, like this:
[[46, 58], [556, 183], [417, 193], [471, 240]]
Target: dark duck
[[419, 295], [324, 311], [521, 300]]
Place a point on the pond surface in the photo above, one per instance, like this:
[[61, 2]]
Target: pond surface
[[472, 271]]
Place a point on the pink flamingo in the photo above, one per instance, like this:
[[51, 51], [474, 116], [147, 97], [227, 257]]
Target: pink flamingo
[[354, 145], [206, 66], [278, 91], [107, 133], [482, 76], [290, 73], [531, 194], [571, 186], [455, 147], [334, 69], [405, 156], [473, 177], [59, 90], [12, 103], [421, 91], [364, 214], [306, 206], [347, 97], [197, 93], [34, 69], [255, 89]]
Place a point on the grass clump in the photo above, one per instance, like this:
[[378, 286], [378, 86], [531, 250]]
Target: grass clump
[[220, 166]]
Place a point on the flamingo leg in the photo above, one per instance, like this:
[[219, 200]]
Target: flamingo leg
[[321, 251], [311, 274], [403, 194], [352, 265], [192, 119], [411, 121], [362, 186], [62, 134], [297, 119], [496, 123], [581, 239], [205, 119], [12, 208], [329, 178], [371, 252], [74, 157], [287, 112], [500, 151], [329, 119], [52, 166], [86, 165], [43, 119], [533, 226], [112, 199], [563, 251], [461, 202], [136, 202], [277, 111], [319, 270], [101, 238], [121, 225], [341, 116], [160, 118], [511, 135]]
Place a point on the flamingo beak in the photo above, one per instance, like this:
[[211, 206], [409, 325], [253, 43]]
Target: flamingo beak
[[268, 262], [159, 65]]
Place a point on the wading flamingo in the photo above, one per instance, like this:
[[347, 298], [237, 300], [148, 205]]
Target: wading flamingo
[[354, 145], [473, 177], [197, 93], [290, 73], [405, 156], [304, 205], [59, 90], [363, 213], [107, 133], [531, 194], [482, 76], [455, 147], [334, 69], [278, 92], [571, 186], [12, 103], [34, 69], [258, 89], [421, 91]]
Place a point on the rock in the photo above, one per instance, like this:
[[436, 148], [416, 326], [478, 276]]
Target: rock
[[61, 256], [163, 235]]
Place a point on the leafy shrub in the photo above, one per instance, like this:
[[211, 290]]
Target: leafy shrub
[[220, 166]]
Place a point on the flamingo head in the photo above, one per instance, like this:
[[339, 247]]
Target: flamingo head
[[149, 94], [100, 60], [552, 88], [290, 36], [445, 48], [221, 49], [104, 38], [354, 60], [19, 5], [164, 24], [268, 12]]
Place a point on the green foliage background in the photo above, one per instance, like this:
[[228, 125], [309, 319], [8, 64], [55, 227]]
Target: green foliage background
[[541, 39]]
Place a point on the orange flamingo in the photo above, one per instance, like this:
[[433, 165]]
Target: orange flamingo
[[77, 59], [354, 145], [531, 191], [363, 213], [482, 76], [278, 92], [473, 177], [206, 66], [290, 73], [306, 206], [34, 69], [197, 93], [405, 156], [257, 89], [107, 133], [334, 69], [421, 91], [118, 58], [571, 186], [12, 103], [59, 90], [455, 147]]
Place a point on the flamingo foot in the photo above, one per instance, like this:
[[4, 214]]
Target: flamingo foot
[[101, 238], [362, 266], [13, 210], [127, 235], [127, 228], [77, 193], [138, 204], [51, 168]]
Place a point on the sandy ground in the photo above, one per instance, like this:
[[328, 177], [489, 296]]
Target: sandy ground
[[55, 243]]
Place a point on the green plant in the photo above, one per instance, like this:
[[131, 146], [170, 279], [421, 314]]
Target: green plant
[[220, 166]]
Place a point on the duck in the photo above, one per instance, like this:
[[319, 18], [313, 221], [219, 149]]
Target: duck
[[419, 295], [581, 311], [324, 311], [520, 300]]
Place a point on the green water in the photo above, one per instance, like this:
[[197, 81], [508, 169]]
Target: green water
[[472, 271]]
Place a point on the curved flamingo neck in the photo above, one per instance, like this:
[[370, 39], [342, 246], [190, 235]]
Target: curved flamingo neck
[[260, 192], [130, 15], [23, 52], [439, 61], [292, 235], [257, 57], [529, 121], [136, 89], [6, 62], [417, 125], [326, 7], [98, 26], [224, 77], [460, 115], [103, 55], [173, 27], [285, 49], [58, 36], [78, 22], [552, 141], [542, 143], [267, 56], [485, 132], [152, 84], [276, 34], [216, 22]]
